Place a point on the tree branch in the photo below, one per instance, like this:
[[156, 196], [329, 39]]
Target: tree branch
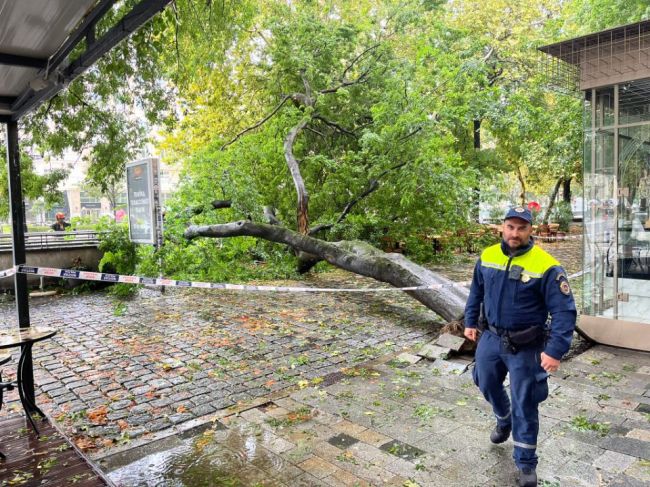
[[269, 214], [219, 204], [311, 129], [360, 79], [372, 187], [356, 59], [305, 83], [258, 124], [334, 125], [354, 256], [299, 183]]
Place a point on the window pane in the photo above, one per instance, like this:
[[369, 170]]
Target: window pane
[[634, 102], [587, 110], [605, 107]]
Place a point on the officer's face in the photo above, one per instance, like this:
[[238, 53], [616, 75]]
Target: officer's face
[[516, 232]]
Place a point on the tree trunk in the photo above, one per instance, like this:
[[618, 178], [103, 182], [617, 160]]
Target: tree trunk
[[355, 256], [566, 190], [547, 213], [301, 191], [522, 181], [476, 191]]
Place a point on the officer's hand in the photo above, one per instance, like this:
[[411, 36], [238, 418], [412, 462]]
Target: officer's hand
[[548, 363], [470, 334]]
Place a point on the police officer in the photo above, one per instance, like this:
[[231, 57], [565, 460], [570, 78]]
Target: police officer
[[517, 285]]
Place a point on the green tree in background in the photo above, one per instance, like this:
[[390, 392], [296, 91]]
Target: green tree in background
[[342, 120], [34, 185]]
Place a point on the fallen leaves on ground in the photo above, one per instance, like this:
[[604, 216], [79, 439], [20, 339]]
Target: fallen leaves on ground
[[98, 415], [84, 443]]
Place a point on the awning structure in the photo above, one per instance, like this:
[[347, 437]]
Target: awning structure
[[37, 38], [603, 58], [45, 45]]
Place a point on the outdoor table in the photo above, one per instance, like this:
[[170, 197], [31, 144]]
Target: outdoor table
[[24, 338]]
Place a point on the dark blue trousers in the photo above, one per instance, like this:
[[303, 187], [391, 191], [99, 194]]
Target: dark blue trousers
[[528, 387]]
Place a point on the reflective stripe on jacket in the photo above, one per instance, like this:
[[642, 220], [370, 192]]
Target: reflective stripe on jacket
[[520, 291]]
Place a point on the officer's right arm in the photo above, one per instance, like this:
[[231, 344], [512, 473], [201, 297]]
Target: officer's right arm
[[473, 306]]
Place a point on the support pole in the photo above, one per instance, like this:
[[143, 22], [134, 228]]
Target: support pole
[[17, 210]]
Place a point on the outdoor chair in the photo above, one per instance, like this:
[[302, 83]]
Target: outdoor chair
[[4, 386], [543, 232]]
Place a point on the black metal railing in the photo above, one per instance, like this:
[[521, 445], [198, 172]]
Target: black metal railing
[[54, 240]]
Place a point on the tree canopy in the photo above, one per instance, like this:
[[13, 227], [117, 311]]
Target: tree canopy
[[356, 120]]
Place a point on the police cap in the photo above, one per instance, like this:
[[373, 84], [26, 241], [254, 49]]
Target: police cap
[[519, 212]]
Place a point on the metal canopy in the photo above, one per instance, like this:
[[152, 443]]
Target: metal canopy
[[37, 37], [564, 49], [604, 58]]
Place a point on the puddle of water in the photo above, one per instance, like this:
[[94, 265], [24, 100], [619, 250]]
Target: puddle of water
[[214, 457]]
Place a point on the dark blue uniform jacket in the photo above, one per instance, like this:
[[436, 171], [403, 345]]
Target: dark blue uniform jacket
[[520, 291]]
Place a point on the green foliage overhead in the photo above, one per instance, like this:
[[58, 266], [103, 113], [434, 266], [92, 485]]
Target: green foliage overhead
[[384, 96]]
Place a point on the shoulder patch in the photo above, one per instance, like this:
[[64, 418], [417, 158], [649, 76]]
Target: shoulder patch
[[564, 287]]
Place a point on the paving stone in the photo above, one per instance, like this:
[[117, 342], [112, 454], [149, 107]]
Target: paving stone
[[639, 434], [434, 352], [408, 358], [180, 417], [582, 473], [342, 478], [343, 425], [643, 408], [447, 340], [139, 391], [317, 467], [202, 410], [307, 480], [614, 462], [372, 437], [628, 446], [157, 425], [450, 367], [117, 405], [623, 480], [402, 450]]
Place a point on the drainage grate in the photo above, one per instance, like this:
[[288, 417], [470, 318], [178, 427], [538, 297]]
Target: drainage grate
[[342, 441]]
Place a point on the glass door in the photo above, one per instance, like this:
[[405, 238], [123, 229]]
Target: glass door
[[634, 190], [599, 216]]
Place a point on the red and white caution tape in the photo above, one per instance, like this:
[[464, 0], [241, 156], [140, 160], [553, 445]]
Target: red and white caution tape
[[153, 281], [115, 278]]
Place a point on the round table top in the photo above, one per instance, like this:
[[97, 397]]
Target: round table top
[[22, 336]]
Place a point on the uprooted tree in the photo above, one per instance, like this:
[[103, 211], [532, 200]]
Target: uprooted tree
[[446, 299], [360, 133]]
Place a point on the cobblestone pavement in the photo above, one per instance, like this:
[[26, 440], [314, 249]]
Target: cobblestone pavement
[[115, 372], [198, 388]]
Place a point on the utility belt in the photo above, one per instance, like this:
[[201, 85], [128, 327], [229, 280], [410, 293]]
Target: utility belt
[[515, 340]]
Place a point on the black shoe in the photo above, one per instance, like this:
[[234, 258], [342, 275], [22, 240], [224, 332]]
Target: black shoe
[[527, 477], [499, 434]]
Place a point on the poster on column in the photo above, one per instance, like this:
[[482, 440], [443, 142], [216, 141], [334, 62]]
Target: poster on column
[[145, 225]]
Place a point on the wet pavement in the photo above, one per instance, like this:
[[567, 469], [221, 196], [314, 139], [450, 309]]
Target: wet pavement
[[194, 388]]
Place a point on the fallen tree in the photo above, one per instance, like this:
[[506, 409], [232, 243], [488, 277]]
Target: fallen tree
[[354, 256]]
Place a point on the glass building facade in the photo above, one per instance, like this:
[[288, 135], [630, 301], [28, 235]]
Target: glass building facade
[[617, 193], [612, 69]]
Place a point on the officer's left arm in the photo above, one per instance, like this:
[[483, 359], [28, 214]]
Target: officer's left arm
[[562, 308]]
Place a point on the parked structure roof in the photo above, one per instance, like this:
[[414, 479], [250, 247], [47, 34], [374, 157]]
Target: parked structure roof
[[41, 41]]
